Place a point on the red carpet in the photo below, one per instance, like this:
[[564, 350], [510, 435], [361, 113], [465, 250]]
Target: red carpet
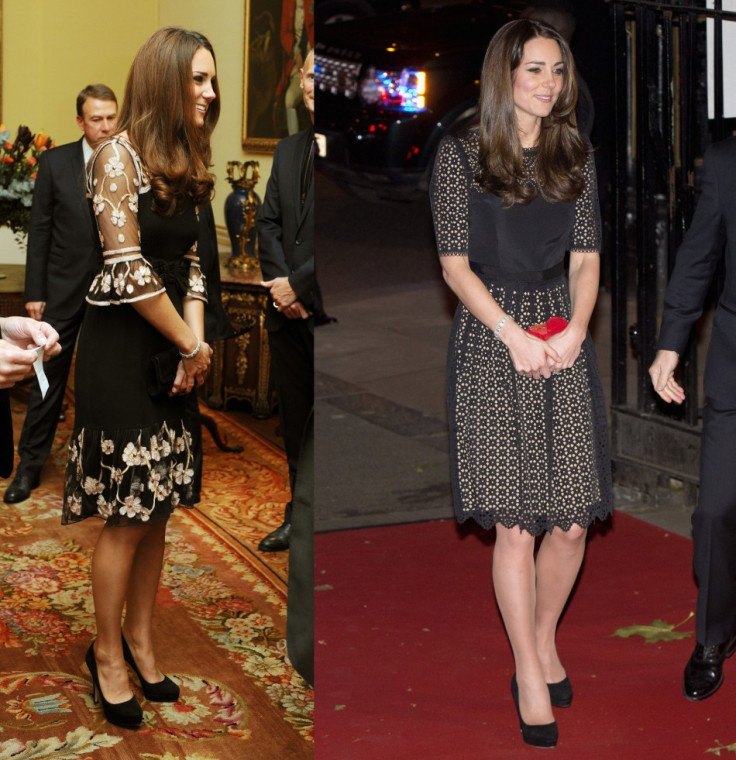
[[412, 661]]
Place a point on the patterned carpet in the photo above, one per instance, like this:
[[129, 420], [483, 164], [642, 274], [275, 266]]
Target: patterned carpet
[[219, 628]]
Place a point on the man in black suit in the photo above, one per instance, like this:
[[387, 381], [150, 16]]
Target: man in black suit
[[16, 363], [285, 224], [61, 261], [714, 519]]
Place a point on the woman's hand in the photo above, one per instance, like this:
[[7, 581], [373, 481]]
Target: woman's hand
[[530, 356], [191, 373], [567, 344]]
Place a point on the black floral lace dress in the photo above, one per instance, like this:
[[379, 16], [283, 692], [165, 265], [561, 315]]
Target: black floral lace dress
[[130, 457], [524, 452]]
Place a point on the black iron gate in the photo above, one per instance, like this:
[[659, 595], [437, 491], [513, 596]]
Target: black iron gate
[[662, 130]]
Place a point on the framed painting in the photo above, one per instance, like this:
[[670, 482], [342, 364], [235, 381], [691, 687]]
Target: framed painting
[[278, 35]]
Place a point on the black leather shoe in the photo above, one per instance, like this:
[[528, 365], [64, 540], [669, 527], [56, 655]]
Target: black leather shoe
[[21, 487], [277, 540], [704, 669]]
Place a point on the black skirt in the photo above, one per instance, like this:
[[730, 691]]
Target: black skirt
[[525, 452]]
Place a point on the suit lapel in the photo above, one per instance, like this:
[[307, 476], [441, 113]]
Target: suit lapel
[[76, 158], [303, 211], [78, 170]]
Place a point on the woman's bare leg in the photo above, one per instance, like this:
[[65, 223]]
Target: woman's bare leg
[[514, 583], [558, 564], [141, 600], [112, 562]]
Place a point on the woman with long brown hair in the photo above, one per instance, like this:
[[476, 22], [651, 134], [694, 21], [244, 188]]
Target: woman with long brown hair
[[527, 415], [141, 351]]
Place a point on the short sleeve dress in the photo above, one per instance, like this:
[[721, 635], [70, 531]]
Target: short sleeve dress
[[130, 457], [524, 452]]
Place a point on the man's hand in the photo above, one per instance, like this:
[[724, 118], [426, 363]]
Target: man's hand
[[24, 332], [15, 364], [35, 309], [295, 311], [662, 373], [19, 336], [285, 298], [282, 293]]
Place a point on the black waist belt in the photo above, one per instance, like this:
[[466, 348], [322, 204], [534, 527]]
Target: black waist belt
[[498, 275]]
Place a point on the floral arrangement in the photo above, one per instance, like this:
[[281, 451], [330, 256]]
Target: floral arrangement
[[18, 169]]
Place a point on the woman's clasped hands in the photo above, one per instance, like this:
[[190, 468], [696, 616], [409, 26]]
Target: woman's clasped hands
[[536, 358], [191, 373]]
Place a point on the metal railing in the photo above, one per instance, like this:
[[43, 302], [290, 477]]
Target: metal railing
[[662, 129]]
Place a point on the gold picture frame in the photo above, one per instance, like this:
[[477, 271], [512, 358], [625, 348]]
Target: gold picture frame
[[267, 66]]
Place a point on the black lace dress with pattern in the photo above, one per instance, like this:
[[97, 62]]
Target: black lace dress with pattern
[[130, 457], [524, 452]]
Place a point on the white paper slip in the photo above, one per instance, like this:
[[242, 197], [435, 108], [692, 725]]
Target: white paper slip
[[43, 382]]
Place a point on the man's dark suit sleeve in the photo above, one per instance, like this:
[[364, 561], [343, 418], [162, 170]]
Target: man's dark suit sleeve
[[696, 263], [302, 281], [39, 233], [270, 225]]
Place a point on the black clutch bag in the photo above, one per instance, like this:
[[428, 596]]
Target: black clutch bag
[[162, 371]]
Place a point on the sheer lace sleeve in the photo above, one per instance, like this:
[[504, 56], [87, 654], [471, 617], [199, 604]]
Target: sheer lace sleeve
[[115, 179], [196, 281], [586, 232], [449, 195]]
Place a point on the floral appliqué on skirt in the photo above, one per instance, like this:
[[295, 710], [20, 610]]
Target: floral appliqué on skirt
[[139, 475]]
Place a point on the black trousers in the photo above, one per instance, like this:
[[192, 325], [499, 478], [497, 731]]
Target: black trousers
[[714, 527], [42, 415], [300, 599], [292, 369]]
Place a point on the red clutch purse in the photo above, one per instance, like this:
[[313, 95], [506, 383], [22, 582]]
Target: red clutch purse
[[547, 329]]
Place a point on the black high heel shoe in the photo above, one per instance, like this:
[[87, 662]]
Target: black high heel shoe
[[560, 693], [127, 714], [161, 691], [544, 735]]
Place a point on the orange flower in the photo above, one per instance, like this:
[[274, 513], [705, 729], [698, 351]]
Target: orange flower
[[7, 160], [40, 140], [31, 160], [8, 146], [34, 175]]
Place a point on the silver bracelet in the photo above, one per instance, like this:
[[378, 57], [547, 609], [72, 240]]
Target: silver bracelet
[[500, 325], [193, 353]]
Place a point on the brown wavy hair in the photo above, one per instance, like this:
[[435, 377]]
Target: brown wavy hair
[[562, 151], [158, 114]]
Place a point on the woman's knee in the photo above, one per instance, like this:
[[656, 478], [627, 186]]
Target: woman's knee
[[573, 536], [514, 539]]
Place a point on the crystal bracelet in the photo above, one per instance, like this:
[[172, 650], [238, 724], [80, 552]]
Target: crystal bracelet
[[193, 353], [500, 325]]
